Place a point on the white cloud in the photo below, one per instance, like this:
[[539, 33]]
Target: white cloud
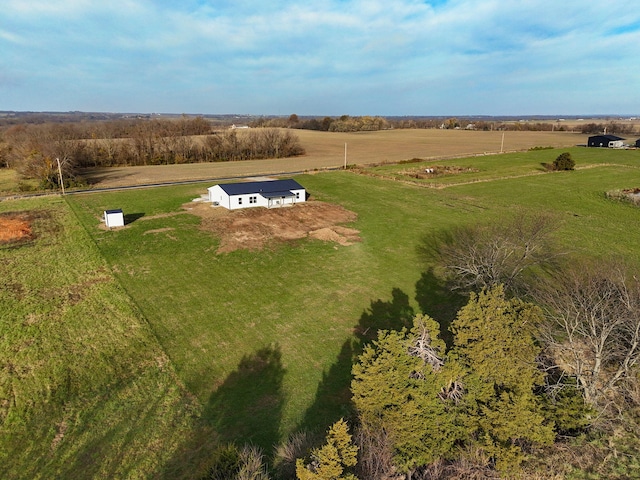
[[366, 53], [12, 37]]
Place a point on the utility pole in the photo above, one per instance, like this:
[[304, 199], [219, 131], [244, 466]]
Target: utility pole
[[502, 143], [60, 174], [345, 156]]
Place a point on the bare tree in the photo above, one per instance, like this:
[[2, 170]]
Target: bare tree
[[375, 453], [36, 149], [482, 256], [594, 329]]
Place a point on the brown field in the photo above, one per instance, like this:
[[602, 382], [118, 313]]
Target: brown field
[[327, 150]]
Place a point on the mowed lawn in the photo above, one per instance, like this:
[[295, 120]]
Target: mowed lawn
[[130, 352], [296, 303], [291, 311], [492, 167]]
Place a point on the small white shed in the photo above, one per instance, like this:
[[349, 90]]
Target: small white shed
[[113, 218]]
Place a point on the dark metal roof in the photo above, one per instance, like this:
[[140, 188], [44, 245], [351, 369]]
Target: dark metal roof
[[266, 188], [109, 212], [287, 193], [611, 138]]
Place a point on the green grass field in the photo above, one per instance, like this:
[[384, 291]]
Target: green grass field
[[86, 390], [130, 352]]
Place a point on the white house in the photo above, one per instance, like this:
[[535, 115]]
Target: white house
[[271, 193], [113, 218]]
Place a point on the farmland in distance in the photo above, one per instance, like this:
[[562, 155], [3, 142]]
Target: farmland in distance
[[327, 150]]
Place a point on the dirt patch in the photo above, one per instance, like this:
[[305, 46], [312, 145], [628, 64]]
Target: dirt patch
[[255, 228], [15, 228], [630, 195], [435, 171], [633, 194]]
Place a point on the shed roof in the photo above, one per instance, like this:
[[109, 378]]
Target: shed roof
[[265, 188], [611, 138]]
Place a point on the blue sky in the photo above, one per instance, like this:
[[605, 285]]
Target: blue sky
[[321, 57]]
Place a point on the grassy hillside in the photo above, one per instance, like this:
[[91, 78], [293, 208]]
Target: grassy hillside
[[85, 389], [213, 312], [261, 340]]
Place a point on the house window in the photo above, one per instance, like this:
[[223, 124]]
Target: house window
[[298, 195], [253, 199], [240, 201]]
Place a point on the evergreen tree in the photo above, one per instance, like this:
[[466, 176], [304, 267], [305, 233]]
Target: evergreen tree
[[494, 343], [403, 386], [564, 162], [332, 460]]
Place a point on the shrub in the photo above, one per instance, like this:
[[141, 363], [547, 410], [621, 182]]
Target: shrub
[[564, 162], [225, 463], [333, 460], [286, 453], [232, 463], [533, 149]]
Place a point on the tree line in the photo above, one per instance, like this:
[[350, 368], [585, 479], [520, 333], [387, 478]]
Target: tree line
[[609, 128], [347, 123], [343, 123], [34, 150]]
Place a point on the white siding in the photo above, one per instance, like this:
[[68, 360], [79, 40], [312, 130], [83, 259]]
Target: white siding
[[219, 196], [249, 200], [113, 219]]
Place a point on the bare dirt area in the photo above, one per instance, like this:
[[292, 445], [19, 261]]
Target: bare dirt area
[[633, 194], [257, 228], [15, 228], [435, 170]]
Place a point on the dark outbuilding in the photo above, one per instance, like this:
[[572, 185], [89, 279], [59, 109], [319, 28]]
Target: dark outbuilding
[[638, 143], [608, 141]]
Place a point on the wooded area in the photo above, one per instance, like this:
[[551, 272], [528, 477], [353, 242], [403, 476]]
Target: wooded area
[[34, 149]]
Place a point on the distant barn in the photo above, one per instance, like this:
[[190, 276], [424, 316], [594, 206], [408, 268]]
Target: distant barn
[[638, 143], [608, 141], [271, 193]]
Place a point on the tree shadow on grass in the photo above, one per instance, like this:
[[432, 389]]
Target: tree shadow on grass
[[392, 315], [436, 299], [245, 409], [333, 396], [435, 295]]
